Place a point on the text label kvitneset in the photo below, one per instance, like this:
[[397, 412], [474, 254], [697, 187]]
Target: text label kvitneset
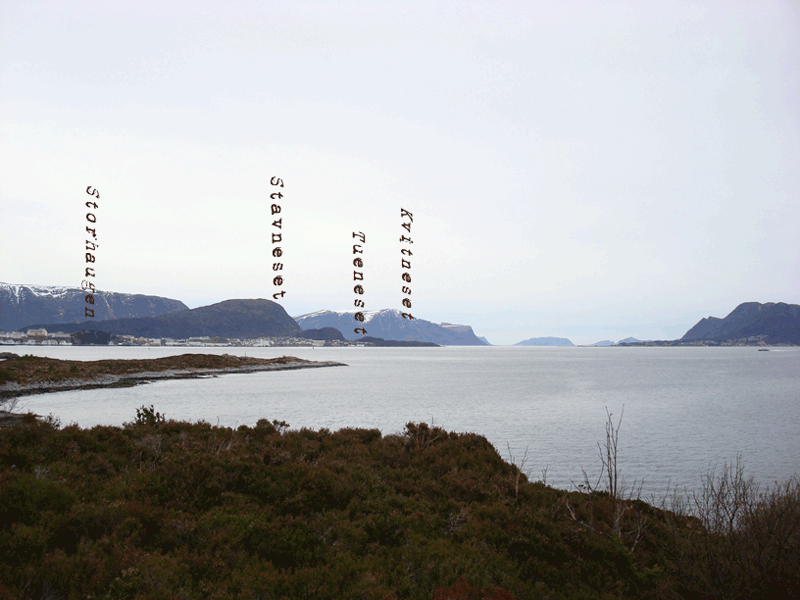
[[405, 263]]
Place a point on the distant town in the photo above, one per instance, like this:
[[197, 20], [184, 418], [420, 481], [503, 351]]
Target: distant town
[[42, 337]]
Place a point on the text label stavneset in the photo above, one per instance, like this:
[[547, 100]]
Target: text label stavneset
[[277, 238]]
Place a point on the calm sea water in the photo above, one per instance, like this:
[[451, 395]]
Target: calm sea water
[[685, 409]]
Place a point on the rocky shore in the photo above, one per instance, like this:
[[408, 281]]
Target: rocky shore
[[26, 375]]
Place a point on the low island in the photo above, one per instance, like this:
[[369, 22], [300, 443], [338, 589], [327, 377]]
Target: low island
[[25, 375]]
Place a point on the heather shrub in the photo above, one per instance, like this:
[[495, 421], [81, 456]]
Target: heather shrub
[[167, 509], [24, 497], [462, 590]]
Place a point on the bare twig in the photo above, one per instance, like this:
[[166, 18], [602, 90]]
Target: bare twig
[[517, 467]]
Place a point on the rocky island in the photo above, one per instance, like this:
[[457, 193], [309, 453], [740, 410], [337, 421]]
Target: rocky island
[[25, 375]]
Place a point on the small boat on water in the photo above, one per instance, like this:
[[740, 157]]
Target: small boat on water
[[763, 349]]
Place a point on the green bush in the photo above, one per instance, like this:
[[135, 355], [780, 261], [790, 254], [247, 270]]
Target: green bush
[[148, 416]]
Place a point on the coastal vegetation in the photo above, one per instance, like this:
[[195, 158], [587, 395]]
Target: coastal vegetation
[[21, 375], [160, 508]]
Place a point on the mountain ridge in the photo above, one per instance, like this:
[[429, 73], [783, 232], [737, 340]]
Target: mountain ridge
[[235, 318], [769, 323], [22, 305], [389, 324]]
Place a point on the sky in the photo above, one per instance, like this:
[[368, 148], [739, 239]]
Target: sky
[[589, 170]]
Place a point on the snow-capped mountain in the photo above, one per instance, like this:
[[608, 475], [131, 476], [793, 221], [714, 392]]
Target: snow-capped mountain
[[390, 325], [23, 305]]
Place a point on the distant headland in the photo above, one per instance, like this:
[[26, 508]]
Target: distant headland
[[25, 375], [749, 324]]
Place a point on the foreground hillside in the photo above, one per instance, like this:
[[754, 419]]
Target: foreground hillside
[[166, 509]]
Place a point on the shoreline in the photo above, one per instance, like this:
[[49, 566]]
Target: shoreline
[[147, 370]]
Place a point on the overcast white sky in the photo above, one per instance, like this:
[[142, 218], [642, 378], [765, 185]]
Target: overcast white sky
[[589, 170]]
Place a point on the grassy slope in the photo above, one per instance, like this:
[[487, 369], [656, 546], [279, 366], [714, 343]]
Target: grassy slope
[[176, 510]]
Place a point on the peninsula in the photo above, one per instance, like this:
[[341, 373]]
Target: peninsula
[[25, 375]]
